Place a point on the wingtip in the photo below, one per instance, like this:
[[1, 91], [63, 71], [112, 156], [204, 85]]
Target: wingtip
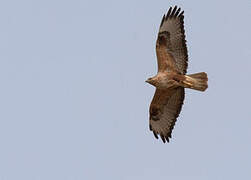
[[177, 12], [168, 13], [173, 12], [163, 19], [175, 7], [181, 14], [163, 138], [167, 139], [155, 135]]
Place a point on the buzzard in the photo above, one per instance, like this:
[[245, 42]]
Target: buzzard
[[171, 79]]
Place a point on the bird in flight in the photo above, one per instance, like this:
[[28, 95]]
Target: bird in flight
[[171, 79]]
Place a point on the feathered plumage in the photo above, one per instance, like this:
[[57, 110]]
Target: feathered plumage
[[171, 78]]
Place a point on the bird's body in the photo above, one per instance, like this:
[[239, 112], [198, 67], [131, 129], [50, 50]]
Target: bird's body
[[164, 80], [171, 79]]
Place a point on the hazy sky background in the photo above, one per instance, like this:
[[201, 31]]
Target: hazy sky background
[[74, 102]]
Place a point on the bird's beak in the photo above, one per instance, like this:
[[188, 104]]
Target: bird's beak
[[147, 81]]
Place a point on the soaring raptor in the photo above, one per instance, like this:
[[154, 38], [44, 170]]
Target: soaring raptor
[[171, 79]]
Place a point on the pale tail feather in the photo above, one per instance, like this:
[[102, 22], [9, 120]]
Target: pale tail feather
[[197, 81]]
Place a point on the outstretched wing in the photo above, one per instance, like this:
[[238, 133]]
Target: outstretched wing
[[172, 36], [164, 110]]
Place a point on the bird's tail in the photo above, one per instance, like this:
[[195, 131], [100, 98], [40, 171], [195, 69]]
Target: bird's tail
[[196, 81]]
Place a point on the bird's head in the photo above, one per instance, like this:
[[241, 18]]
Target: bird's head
[[151, 80]]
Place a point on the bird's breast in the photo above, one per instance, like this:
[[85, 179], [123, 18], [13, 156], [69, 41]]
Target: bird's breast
[[164, 81]]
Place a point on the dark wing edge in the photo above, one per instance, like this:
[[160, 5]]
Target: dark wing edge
[[164, 111], [172, 28]]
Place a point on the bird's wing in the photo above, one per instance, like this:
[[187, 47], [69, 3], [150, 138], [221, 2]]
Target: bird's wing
[[164, 110], [171, 44]]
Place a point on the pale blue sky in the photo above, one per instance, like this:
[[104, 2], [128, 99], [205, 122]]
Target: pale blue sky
[[74, 102]]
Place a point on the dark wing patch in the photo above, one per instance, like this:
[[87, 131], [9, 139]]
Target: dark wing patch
[[164, 110], [172, 28], [154, 113]]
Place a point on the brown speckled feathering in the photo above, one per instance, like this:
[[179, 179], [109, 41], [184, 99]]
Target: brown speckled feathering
[[171, 78]]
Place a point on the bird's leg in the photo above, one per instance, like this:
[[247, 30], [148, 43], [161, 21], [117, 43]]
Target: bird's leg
[[188, 82], [181, 81]]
